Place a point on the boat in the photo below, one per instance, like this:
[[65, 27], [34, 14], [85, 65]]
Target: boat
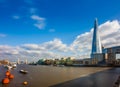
[[23, 71], [8, 67], [14, 65]]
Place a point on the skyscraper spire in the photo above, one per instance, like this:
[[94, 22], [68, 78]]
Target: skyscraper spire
[[96, 43]]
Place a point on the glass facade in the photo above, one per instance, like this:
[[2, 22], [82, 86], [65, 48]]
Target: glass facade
[[96, 43]]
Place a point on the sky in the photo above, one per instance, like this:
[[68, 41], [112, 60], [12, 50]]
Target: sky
[[34, 29]]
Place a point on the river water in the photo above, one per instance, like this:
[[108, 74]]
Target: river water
[[46, 76]]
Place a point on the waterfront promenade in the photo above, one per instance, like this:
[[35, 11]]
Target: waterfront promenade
[[105, 78], [49, 76]]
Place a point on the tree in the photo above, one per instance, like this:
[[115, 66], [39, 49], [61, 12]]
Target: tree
[[69, 61], [62, 61], [40, 62]]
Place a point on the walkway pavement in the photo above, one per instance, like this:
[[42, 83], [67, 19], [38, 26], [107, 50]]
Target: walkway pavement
[[105, 78]]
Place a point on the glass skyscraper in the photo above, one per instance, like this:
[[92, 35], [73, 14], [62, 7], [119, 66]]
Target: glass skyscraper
[[96, 43]]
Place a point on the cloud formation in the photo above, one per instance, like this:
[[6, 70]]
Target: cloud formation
[[8, 50], [80, 48], [110, 33], [39, 21], [50, 49]]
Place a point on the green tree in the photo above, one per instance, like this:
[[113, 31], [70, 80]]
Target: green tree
[[40, 62], [62, 61], [69, 61]]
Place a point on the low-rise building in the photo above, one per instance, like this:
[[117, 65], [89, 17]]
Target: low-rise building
[[5, 62], [112, 55]]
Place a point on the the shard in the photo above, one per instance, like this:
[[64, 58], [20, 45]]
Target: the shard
[[96, 43]]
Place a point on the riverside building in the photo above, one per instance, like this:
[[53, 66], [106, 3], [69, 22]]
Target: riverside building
[[99, 55]]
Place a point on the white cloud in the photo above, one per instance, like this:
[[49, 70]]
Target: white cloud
[[55, 45], [8, 50], [40, 21], [32, 47], [50, 49], [40, 25], [37, 18], [80, 48], [110, 33], [3, 35]]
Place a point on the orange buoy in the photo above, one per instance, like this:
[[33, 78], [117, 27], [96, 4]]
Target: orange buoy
[[25, 82], [5, 81], [7, 73], [11, 76]]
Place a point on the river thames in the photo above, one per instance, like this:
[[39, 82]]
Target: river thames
[[50, 76]]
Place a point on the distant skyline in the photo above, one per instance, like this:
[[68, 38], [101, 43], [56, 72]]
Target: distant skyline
[[33, 29]]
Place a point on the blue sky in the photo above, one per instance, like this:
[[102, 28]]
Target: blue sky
[[65, 18], [41, 21]]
